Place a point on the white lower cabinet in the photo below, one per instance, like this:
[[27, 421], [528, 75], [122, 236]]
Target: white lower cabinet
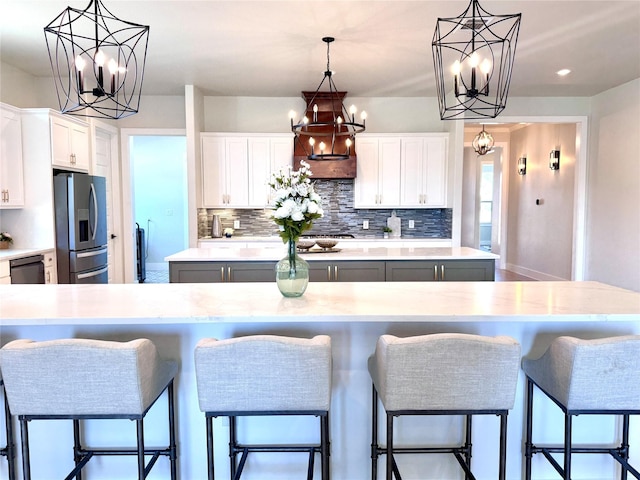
[[50, 268], [401, 171], [5, 272]]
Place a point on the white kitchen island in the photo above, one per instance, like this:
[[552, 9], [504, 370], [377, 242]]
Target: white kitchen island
[[177, 316]]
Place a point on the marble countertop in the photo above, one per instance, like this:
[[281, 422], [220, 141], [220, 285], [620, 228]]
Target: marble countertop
[[377, 253], [182, 303]]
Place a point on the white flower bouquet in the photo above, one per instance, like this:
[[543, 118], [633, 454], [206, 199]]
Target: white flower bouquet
[[297, 205]]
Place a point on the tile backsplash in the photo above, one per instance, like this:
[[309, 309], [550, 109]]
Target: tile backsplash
[[339, 217]]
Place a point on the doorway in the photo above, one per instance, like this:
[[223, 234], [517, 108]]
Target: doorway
[[155, 199]]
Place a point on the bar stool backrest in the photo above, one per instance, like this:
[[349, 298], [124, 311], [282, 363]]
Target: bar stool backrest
[[590, 374], [83, 377], [264, 373], [447, 371]]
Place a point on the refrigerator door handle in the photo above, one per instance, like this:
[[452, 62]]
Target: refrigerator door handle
[[95, 208], [92, 274], [93, 253]]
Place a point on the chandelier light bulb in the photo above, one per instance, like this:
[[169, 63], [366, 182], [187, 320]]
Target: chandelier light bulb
[[305, 119], [292, 114], [474, 60], [353, 109], [112, 66], [455, 68], [363, 115], [312, 141], [99, 58], [321, 145], [485, 66], [80, 63]]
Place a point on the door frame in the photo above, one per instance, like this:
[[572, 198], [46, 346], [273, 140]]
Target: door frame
[[128, 232]]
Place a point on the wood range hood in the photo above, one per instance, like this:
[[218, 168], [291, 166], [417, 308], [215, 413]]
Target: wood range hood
[[325, 169]]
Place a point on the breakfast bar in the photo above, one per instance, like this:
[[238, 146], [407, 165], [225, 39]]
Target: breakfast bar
[[176, 316]]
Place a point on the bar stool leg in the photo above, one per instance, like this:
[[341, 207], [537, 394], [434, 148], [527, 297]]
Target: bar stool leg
[[625, 444], [26, 463], [390, 459], [503, 447], [77, 446], [11, 447], [374, 434], [467, 443], [232, 446], [140, 432], [325, 446], [529, 428], [210, 467], [567, 446], [173, 455]]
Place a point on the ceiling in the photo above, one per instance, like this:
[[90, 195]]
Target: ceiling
[[273, 48]]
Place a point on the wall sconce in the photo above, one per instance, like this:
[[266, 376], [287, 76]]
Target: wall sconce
[[554, 160], [522, 166]]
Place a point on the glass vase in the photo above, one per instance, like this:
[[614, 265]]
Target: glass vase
[[292, 273]]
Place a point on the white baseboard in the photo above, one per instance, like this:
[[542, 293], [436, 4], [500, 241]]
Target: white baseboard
[[540, 276]]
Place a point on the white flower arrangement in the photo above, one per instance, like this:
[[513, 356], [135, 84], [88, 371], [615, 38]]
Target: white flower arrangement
[[297, 205], [5, 237]]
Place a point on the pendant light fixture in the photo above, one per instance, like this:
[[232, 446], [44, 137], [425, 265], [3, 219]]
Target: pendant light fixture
[[327, 130], [483, 143], [473, 56], [98, 61]]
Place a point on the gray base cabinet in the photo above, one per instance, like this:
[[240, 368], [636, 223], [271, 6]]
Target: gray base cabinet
[[344, 271], [440, 271], [348, 271], [219, 272]]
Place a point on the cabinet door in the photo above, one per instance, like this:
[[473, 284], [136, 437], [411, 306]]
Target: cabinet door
[[259, 171], [252, 272], [213, 172], [281, 150], [435, 172], [413, 172], [69, 144], [197, 272], [11, 162], [320, 271], [412, 271], [359, 271], [366, 186], [79, 141], [467, 270], [389, 172], [237, 172]]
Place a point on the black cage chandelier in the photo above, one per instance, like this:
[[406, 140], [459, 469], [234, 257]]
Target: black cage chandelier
[[98, 61], [330, 132], [473, 56]]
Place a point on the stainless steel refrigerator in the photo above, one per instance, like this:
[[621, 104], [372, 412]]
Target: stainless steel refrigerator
[[81, 228]]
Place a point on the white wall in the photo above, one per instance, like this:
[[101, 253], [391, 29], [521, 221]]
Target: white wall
[[613, 221], [540, 237]]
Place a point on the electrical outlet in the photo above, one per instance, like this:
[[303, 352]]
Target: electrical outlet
[[236, 224], [168, 212], [365, 224], [412, 224]]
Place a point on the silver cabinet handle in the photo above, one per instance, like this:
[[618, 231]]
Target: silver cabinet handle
[[222, 274], [328, 273], [92, 253], [48, 277], [435, 272], [441, 272], [228, 274], [335, 273], [92, 274]]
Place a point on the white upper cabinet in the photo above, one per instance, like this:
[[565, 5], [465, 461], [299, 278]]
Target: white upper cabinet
[[424, 172], [267, 155], [69, 144], [225, 171], [236, 169], [377, 183], [401, 171], [11, 161]]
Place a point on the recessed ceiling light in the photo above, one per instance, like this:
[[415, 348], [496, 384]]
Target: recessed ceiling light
[[563, 72]]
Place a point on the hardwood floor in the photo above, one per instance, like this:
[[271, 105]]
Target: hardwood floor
[[508, 276]]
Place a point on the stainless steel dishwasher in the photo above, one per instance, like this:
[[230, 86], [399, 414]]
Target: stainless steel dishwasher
[[27, 269]]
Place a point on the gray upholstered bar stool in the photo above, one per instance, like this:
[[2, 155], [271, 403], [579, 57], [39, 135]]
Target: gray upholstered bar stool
[[585, 377], [265, 375], [442, 374], [8, 451], [80, 379]]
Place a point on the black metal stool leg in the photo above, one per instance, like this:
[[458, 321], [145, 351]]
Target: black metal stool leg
[[173, 454], [567, 446], [11, 446], [374, 434], [502, 473], [529, 429], [77, 446], [210, 467], [232, 446], [467, 443], [325, 448], [26, 463], [140, 432], [624, 445], [390, 459]]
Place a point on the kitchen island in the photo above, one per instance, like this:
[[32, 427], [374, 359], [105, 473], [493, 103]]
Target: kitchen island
[[177, 316], [364, 264]]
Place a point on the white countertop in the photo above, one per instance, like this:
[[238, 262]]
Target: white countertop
[[13, 253], [183, 303], [377, 253]]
